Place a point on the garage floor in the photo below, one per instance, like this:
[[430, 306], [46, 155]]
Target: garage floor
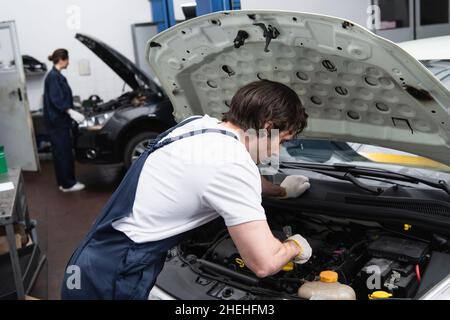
[[64, 218]]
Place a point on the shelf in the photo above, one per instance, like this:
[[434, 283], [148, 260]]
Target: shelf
[[31, 262], [18, 268], [35, 73]]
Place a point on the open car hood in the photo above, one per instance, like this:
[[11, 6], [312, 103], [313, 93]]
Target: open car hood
[[355, 86], [123, 67]]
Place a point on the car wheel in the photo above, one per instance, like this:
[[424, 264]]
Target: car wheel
[[136, 146]]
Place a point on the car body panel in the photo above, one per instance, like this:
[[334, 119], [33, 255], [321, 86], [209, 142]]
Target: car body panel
[[356, 86], [435, 48]]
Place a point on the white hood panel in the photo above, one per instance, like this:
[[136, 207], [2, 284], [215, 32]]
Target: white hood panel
[[354, 85]]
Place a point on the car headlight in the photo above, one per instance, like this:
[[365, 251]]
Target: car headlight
[[96, 122]]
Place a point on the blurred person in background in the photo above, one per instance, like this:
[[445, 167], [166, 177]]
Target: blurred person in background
[[58, 115]]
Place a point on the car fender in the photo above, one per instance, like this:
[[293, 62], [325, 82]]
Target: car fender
[[131, 121]]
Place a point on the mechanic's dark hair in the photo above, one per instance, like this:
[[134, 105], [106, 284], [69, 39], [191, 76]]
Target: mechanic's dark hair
[[58, 54], [264, 101]]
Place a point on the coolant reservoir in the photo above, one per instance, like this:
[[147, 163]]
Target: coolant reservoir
[[328, 288]]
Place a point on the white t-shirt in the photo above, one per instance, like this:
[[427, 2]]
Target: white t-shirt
[[190, 182]]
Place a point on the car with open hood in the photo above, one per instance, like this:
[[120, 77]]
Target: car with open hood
[[380, 227], [117, 131]]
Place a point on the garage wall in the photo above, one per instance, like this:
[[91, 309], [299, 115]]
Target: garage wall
[[354, 10], [48, 24]]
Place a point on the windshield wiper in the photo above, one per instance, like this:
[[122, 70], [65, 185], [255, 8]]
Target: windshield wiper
[[351, 173]]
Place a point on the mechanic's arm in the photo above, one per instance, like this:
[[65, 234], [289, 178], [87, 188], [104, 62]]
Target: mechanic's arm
[[55, 93], [271, 190], [291, 187], [262, 252], [63, 103], [235, 193]]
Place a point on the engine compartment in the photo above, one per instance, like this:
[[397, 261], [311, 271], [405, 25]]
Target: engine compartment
[[366, 257], [135, 98]]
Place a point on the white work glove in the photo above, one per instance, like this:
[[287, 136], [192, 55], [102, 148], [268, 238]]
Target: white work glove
[[75, 115], [305, 248], [295, 186]]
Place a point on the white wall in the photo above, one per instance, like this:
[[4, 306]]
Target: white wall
[[48, 24], [354, 10]]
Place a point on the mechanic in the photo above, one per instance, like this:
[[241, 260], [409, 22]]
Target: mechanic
[[58, 116], [191, 174]]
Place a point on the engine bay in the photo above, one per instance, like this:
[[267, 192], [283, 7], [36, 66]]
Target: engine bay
[[135, 98], [365, 256]]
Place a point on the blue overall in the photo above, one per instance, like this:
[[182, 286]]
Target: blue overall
[[111, 265], [57, 99]]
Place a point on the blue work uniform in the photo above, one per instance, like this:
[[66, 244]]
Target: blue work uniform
[[57, 99], [111, 265]]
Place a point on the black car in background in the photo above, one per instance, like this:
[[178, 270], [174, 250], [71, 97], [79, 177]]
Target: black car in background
[[119, 130], [116, 131]]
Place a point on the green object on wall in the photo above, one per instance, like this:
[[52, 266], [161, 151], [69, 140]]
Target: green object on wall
[[3, 165]]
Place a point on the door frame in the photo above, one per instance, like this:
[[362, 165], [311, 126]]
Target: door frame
[[31, 159]]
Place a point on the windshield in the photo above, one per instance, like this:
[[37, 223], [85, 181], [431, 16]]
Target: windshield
[[440, 69], [334, 152]]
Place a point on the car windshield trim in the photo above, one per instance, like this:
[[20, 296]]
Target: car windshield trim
[[352, 172]]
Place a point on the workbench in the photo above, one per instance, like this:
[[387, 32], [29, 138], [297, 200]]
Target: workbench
[[18, 268]]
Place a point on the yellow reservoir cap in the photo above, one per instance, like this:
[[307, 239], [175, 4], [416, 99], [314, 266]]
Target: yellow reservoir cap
[[379, 295], [239, 262], [288, 267], [328, 276]]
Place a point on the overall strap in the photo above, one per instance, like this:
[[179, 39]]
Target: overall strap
[[167, 141], [168, 131]]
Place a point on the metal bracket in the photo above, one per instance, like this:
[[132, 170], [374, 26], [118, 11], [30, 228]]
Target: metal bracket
[[240, 38], [269, 32]]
